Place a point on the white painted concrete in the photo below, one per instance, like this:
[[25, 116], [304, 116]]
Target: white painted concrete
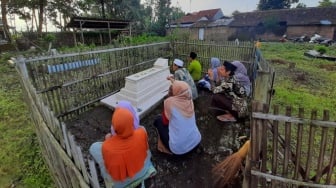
[[143, 89]]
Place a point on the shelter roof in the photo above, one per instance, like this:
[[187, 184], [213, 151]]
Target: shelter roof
[[298, 16], [97, 23]]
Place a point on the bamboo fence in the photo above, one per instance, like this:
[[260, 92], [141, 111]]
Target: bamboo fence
[[59, 87], [291, 150]]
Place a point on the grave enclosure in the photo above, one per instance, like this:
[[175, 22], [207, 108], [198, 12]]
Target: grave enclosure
[[61, 93]]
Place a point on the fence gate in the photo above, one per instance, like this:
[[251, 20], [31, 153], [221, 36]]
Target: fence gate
[[291, 150]]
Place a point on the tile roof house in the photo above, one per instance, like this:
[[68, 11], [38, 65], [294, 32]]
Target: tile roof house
[[295, 22], [191, 18], [197, 25]]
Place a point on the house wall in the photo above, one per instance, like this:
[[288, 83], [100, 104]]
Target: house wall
[[324, 31], [218, 33], [223, 33]]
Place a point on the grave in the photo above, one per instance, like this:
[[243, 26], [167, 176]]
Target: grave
[[144, 89]]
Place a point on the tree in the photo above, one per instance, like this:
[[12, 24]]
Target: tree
[[4, 4], [162, 15], [326, 3], [275, 4], [301, 5]]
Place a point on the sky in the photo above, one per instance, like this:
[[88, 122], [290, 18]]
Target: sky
[[227, 6]]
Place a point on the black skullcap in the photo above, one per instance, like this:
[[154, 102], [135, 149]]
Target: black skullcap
[[193, 55], [229, 66]]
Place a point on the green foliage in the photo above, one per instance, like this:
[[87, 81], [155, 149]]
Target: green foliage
[[326, 3], [21, 164], [321, 49], [275, 4], [272, 25], [49, 37]]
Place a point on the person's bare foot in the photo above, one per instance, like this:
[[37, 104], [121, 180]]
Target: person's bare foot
[[226, 118]]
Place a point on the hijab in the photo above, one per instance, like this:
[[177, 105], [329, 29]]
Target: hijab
[[215, 63], [180, 99], [242, 77], [128, 105], [125, 152]]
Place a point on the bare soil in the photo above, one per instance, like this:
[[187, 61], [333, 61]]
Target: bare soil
[[194, 170]]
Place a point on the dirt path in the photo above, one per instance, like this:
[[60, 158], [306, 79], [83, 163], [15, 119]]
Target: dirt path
[[218, 141]]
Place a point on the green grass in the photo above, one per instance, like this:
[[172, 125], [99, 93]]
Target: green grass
[[310, 84], [21, 164]]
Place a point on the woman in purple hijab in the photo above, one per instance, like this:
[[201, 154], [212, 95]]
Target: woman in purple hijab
[[128, 105], [242, 77]]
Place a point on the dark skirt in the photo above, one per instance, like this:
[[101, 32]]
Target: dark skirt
[[224, 103]]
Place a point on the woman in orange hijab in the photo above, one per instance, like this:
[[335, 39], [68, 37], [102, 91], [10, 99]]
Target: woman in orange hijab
[[124, 158]]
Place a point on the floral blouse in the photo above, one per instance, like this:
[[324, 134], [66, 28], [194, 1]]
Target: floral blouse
[[232, 89]]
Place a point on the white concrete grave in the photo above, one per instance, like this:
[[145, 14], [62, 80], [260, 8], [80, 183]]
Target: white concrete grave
[[143, 89]]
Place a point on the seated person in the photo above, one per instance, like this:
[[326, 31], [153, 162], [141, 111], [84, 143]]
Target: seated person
[[230, 95], [242, 77], [124, 158], [204, 83], [177, 130], [127, 105], [195, 67], [182, 74]]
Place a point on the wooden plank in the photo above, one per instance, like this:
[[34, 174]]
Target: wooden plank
[[290, 181], [275, 128], [287, 148], [295, 120], [82, 164], [94, 177], [66, 140], [263, 144], [298, 145], [310, 145], [332, 162], [323, 145]]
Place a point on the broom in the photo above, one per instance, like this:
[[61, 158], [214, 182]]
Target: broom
[[226, 171]]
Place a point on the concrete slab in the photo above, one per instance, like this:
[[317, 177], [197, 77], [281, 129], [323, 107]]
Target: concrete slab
[[144, 89]]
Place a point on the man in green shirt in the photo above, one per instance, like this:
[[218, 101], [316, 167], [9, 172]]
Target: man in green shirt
[[194, 68]]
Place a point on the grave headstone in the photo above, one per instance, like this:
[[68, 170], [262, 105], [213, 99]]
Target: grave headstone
[[144, 89]]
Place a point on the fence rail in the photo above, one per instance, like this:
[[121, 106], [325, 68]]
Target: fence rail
[[292, 151]]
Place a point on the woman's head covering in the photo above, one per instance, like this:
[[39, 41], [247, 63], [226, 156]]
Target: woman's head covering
[[124, 154], [122, 122], [181, 99], [215, 62], [128, 105], [242, 77]]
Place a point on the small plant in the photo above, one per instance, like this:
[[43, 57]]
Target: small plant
[[321, 49]]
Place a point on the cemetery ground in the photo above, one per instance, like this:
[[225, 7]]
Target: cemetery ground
[[300, 82], [219, 139]]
